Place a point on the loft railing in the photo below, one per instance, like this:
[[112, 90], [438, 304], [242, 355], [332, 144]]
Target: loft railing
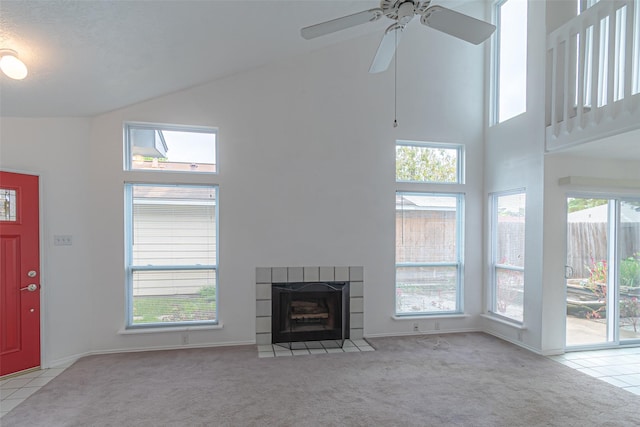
[[593, 75]]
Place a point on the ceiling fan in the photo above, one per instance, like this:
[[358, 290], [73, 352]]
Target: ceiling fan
[[402, 12]]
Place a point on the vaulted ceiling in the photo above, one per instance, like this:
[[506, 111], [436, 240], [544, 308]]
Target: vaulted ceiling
[[89, 57]]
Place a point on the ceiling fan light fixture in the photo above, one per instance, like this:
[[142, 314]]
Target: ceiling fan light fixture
[[11, 66]]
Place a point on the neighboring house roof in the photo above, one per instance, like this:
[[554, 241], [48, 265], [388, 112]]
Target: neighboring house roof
[[629, 213]]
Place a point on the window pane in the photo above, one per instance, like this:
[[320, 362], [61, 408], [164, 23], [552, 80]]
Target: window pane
[[426, 289], [174, 296], [8, 205], [172, 254], [629, 269], [510, 230], [160, 149], [508, 255], [512, 59], [174, 225], [427, 253], [426, 228], [510, 293], [424, 163]]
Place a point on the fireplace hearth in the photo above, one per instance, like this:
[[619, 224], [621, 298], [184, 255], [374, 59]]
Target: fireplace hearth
[[312, 311]]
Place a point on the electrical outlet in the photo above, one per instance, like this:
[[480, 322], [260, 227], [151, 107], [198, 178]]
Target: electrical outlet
[[415, 327], [185, 338], [62, 240], [519, 335], [437, 326]]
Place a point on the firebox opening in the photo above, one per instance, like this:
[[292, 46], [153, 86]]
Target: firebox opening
[[310, 311]]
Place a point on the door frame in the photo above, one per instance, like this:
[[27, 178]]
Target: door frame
[[44, 362], [613, 326]]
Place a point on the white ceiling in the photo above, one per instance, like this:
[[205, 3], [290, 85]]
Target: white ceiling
[[92, 56]]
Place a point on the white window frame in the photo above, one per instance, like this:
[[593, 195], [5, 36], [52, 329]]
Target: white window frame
[[127, 159], [133, 177], [460, 176], [458, 264], [494, 110], [494, 262]]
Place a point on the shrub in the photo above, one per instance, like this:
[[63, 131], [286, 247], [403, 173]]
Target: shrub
[[630, 271]]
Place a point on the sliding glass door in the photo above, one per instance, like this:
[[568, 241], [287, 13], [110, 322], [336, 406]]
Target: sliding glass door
[[603, 271]]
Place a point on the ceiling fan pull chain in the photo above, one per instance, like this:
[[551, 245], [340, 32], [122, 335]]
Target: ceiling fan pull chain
[[395, 84]]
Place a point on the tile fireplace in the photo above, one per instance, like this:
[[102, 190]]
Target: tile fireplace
[[327, 302]]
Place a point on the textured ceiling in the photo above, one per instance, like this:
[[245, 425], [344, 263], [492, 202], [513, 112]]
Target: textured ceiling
[[89, 57]]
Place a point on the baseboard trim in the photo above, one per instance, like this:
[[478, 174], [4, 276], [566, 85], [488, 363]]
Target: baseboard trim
[[65, 361], [410, 333], [514, 342]]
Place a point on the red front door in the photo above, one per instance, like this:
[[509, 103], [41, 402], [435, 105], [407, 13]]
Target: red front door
[[19, 273]]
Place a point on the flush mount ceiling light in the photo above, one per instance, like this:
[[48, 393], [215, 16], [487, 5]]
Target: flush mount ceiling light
[[11, 66]]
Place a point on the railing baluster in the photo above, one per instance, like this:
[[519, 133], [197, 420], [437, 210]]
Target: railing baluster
[[628, 55], [595, 70], [611, 60], [554, 88], [581, 78]]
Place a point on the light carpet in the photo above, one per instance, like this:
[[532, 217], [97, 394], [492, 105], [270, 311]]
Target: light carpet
[[449, 380]]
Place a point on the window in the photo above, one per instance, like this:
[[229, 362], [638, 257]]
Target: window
[[172, 253], [428, 162], [428, 253], [171, 228], [508, 241], [170, 148], [510, 60], [8, 205]]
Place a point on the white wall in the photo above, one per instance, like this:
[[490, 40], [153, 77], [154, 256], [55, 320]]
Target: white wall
[[306, 152], [58, 151], [514, 159]]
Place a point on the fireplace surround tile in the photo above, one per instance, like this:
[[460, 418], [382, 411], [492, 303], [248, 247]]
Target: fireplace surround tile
[[279, 275], [263, 275], [357, 320], [263, 338], [341, 274], [263, 324], [353, 275], [327, 274], [356, 304], [311, 274], [356, 274], [295, 274], [263, 291], [356, 289], [263, 308]]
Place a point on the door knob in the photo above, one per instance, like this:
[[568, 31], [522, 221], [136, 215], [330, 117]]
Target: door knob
[[31, 288]]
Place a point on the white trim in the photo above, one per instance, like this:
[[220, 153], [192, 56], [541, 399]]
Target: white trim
[[440, 332], [65, 361], [520, 344], [151, 330], [505, 321], [430, 316]]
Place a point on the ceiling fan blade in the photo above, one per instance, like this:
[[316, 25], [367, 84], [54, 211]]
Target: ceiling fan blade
[[338, 24], [457, 24], [387, 48]]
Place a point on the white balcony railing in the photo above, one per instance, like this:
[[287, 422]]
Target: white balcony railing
[[593, 75]]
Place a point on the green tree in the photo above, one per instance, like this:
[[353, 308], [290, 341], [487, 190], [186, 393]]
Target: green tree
[[426, 164], [582, 204]]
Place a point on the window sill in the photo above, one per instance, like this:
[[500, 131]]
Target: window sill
[[503, 321], [152, 330], [429, 316]]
